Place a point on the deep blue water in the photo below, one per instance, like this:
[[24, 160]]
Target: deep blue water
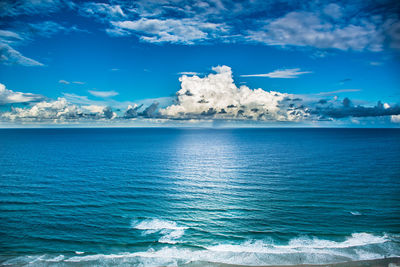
[[151, 196]]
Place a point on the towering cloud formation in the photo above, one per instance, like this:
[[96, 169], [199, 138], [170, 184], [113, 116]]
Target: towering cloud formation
[[217, 96]]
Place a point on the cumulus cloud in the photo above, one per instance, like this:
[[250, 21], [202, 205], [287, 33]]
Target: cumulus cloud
[[284, 74], [103, 94], [58, 110], [132, 111], [216, 96], [10, 97]]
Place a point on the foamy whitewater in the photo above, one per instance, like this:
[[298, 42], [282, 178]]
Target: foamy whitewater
[[198, 197], [358, 246]]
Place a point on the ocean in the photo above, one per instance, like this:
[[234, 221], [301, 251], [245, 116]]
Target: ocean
[[171, 197]]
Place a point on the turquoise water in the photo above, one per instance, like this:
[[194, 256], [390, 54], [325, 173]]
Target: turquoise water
[[151, 197]]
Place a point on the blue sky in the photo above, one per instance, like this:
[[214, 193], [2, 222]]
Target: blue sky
[[320, 63]]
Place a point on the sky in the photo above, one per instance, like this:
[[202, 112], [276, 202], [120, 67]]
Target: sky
[[192, 63]]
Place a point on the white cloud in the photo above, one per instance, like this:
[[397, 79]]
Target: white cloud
[[395, 118], [339, 91], [375, 63], [308, 29], [103, 93], [217, 97], [188, 73], [10, 56], [23, 34], [103, 10], [333, 10], [64, 82], [284, 73], [10, 97], [9, 35], [49, 28], [74, 82], [185, 31], [58, 110], [312, 24]]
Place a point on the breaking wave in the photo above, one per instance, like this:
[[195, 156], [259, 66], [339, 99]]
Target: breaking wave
[[168, 230], [301, 250]]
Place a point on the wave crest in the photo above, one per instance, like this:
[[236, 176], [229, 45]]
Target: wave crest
[[169, 230]]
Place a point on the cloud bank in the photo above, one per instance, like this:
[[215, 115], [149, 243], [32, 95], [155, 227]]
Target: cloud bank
[[59, 111], [212, 97]]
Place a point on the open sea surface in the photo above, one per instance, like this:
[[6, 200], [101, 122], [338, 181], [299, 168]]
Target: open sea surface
[[161, 196]]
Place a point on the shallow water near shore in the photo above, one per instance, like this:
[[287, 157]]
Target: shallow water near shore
[[167, 197]]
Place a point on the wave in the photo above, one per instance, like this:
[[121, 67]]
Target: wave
[[301, 250], [168, 230]]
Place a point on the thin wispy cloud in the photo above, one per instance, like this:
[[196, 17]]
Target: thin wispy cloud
[[10, 56], [375, 63], [185, 31], [104, 94], [23, 34], [188, 73], [282, 73], [68, 82], [339, 91], [63, 82]]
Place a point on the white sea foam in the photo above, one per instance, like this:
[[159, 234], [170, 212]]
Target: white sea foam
[[156, 224], [302, 250], [355, 213], [79, 252], [56, 259], [302, 244], [169, 230]]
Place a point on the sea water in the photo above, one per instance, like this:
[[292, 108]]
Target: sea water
[[161, 197]]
